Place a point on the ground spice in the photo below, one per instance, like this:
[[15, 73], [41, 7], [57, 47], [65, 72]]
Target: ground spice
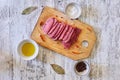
[[81, 66]]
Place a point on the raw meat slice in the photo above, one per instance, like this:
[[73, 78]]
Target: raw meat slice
[[48, 24], [72, 39], [64, 32], [53, 28], [58, 34], [55, 31], [70, 34], [67, 34]]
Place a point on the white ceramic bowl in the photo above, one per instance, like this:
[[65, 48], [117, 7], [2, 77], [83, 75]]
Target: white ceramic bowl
[[73, 10], [20, 50], [85, 72]]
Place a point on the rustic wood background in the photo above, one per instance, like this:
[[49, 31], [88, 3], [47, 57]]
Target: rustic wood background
[[103, 15]]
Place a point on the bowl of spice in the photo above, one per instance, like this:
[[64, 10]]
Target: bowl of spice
[[82, 68], [73, 10]]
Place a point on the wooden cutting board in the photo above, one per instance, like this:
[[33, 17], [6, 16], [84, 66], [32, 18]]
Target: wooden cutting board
[[77, 50]]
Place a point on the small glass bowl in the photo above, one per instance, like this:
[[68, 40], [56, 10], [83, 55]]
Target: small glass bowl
[[73, 10]]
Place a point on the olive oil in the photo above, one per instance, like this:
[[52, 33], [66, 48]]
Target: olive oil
[[28, 49]]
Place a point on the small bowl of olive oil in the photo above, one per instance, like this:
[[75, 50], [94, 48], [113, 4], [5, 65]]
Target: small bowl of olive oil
[[28, 49]]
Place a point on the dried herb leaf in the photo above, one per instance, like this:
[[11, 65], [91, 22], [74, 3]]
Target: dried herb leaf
[[29, 10], [58, 69]]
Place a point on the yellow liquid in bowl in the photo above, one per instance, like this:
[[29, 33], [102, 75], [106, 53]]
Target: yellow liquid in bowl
[[28, 49]]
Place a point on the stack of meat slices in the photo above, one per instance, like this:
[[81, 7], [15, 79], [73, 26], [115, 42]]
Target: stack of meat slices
[[61, 31]]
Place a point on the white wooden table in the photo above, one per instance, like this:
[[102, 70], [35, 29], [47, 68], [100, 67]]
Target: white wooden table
[[103, 15]]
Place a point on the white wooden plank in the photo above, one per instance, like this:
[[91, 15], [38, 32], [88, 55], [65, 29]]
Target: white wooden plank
[[103, 15]]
